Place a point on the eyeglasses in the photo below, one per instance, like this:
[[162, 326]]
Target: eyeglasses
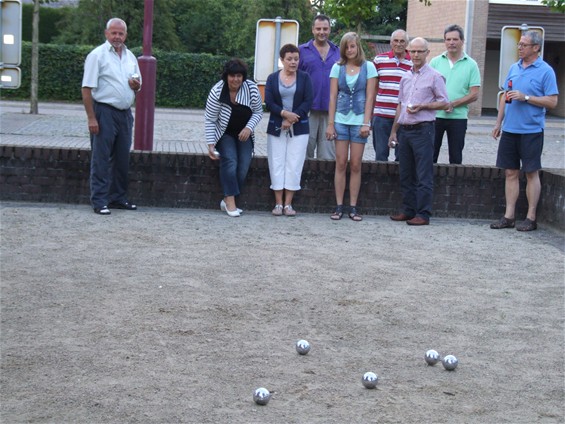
[[417, 51], [522, 45]]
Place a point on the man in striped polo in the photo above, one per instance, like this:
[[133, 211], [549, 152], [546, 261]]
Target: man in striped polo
[[390, 68]]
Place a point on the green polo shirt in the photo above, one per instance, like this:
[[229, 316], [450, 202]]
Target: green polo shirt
[[459, 79]]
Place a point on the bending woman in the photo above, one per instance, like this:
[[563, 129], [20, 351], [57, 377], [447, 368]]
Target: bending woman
[[233, 110], [288, 95], [352, 94]]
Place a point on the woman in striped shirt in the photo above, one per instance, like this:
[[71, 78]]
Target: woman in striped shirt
[[233, 110]]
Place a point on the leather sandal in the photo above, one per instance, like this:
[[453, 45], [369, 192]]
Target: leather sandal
[[354, 214], [527, 225], [503, 223], [338, 213]]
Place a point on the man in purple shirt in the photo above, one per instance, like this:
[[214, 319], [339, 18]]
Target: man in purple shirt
[[422, 92], [317, 57]]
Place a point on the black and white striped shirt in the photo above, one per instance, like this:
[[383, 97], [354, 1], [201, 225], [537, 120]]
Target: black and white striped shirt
[[218, 111]]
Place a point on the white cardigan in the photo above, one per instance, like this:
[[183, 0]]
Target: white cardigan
[[217, 114]]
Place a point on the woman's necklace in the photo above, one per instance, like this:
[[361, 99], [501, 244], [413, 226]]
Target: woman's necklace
[[352, 69]]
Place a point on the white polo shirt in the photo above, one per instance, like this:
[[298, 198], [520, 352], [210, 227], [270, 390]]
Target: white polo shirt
[[107, 74]]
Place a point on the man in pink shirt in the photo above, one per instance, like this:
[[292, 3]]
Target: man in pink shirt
[[422, 92]]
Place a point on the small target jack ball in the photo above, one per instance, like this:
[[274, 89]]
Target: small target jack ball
[[450, 362], [369, 380], [261, 396], [431, 357], [302, 347]]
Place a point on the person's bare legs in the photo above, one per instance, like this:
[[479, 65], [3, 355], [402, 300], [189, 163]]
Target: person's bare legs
[[511, 191], [355, 163], [533, 190], [341, 154], [288, 196], [278, 197]]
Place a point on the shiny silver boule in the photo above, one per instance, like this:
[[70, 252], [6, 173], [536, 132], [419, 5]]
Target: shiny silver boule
[[450, 362], [261, 396], [302, 347], [432, 357], [135, 76], [369, 380], [216, 153], [393, 144]]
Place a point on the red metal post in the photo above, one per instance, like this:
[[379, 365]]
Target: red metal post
[[145, 101]]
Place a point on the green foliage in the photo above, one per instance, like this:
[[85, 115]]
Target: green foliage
[[86, 24], [49, 18], [376, 17], [555, 5], [183, 79]]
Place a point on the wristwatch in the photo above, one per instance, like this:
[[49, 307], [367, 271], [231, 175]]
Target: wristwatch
[[526, 98]]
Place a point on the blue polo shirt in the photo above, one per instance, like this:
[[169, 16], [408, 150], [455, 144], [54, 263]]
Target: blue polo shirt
[[536, 80]]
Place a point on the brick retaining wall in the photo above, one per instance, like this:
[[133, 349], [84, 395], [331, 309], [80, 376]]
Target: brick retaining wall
[[191, 181]]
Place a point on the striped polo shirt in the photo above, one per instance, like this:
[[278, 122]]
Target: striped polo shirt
[[389, 71]]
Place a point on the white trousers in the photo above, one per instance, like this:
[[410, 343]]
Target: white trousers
[[286, 157]]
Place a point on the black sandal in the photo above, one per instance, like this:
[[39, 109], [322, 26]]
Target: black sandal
[[338, 213], [354, 215]]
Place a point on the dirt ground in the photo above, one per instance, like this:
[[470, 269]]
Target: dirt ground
[[176, 316]]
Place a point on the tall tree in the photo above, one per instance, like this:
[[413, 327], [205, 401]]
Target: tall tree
[[87, 23]]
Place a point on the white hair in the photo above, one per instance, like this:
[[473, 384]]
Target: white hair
[[115, 20]]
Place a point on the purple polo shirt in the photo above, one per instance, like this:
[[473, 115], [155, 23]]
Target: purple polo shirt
[[416, 88], [319, 71]]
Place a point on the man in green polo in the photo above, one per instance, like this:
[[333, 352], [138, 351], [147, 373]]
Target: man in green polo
[[463, 80]]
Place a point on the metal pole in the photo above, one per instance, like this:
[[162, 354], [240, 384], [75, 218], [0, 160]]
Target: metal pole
[[145, 101], [278, 21]]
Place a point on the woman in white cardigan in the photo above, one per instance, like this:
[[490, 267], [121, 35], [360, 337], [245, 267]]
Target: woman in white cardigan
[[233, 110]]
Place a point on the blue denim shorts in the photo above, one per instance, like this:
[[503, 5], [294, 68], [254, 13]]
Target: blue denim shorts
[[349, 132]]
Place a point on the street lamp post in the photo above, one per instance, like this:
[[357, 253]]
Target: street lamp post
[[145, 101]]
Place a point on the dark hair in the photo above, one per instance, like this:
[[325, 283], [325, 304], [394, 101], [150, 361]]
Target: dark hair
[[321, 18], [234, 66], [288, 48], [451, 28]]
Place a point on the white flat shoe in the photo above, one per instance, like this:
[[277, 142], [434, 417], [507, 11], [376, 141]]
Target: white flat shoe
[[233, 214], [224, 208]]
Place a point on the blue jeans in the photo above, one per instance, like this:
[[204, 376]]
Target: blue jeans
[[381, 133], [416, 151], [109, 162], [456, 130], [235, 158]]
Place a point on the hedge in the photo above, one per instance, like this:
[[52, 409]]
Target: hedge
[[183, 79]]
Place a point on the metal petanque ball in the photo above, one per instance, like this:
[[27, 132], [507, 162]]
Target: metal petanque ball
[[369, 380], [450, 362], [261, 396], [432, 357], [302, 347]]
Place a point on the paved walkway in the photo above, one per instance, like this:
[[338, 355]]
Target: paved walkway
[[182, 130]]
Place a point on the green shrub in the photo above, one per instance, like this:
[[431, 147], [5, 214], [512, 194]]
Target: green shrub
[[183, 79]]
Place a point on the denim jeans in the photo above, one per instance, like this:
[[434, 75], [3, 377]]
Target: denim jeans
[[381, 133], [416, 151], [235, 158], [456, 130]]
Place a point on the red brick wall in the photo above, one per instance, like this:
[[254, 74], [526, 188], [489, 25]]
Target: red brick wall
[[191, 181]]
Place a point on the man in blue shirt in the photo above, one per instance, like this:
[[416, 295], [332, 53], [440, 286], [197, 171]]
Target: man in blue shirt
[[531, 88], [317, 57]]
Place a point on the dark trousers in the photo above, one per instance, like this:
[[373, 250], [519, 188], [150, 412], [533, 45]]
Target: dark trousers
[[416, 150], [109, 164], [381, 133], [456, 130]]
